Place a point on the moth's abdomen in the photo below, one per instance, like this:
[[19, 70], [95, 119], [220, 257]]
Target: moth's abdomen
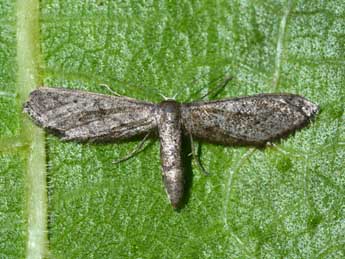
[[170, 134]]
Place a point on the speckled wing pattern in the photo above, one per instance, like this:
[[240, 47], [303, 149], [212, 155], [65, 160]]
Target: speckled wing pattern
[[251, 120], [85, 116]]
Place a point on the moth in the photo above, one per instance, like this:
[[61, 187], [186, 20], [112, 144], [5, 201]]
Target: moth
[[250, 120]]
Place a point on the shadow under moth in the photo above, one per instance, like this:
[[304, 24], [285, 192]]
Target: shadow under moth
[[250, 120]]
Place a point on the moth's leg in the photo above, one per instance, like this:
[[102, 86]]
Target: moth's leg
[[195, 157], [218, 87], [110, 90], [135, 151]]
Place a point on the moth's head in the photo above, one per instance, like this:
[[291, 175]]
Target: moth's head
[[169, 106]]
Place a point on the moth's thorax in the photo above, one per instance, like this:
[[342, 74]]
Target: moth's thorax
[[170, 108]]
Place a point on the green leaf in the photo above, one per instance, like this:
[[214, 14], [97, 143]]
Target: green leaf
[[12, 166], [284, 201]]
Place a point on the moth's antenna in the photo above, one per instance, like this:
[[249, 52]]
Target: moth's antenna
[[168, 98], [218, 87], [142, 87], [186, 85], [110, 90], [194, 81]]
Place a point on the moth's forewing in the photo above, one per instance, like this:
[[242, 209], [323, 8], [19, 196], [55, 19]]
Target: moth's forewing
[[251, 120], [85, 116]]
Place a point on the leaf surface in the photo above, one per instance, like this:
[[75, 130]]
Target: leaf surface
[[285, 201]]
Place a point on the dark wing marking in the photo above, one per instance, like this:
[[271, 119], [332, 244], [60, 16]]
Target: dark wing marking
[[251, 120], [83, 116]]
